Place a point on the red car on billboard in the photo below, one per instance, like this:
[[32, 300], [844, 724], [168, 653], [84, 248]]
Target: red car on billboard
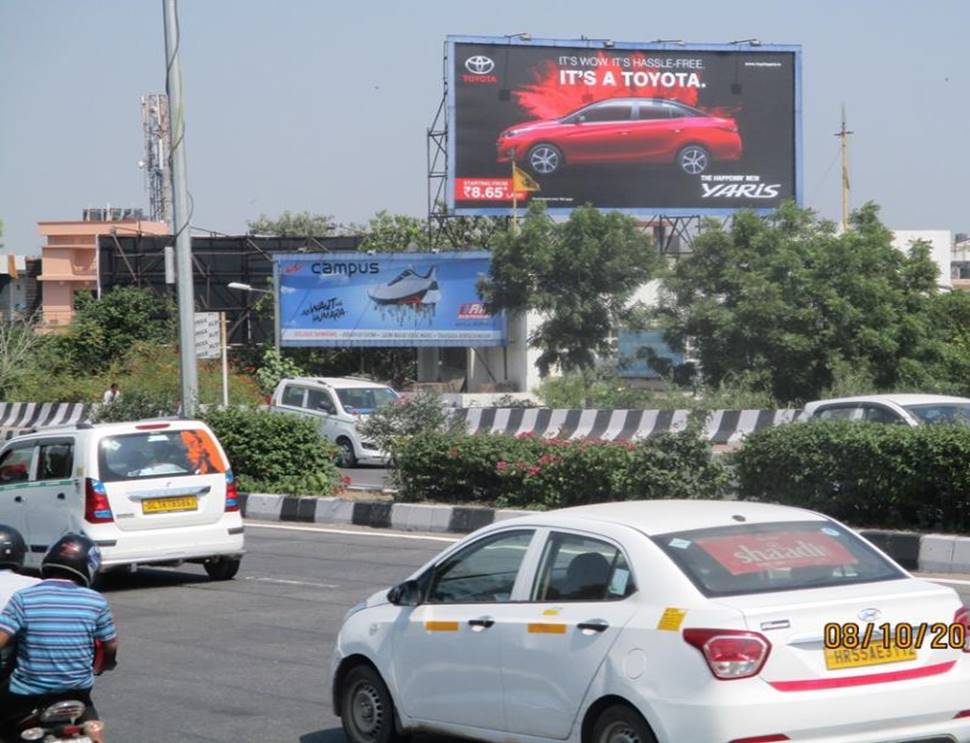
[[649, 130]]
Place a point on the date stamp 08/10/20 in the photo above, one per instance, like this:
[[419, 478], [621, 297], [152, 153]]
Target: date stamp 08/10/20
[[937, 636]]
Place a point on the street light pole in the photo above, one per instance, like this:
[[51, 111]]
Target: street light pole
[[188, 367]]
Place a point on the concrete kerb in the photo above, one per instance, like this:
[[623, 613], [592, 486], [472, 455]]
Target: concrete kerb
[[934, 553]]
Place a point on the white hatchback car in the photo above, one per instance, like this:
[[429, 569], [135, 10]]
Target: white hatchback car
[[906, 409], [338, 405], [150, 492], [658, 622]]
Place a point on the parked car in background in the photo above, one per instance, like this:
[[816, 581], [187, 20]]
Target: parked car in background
[[905, 409], [339, 405], [148, 492], [657, 622], [649, 130]]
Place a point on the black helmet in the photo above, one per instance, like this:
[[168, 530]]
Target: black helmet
[[13, 549], [75, 555]]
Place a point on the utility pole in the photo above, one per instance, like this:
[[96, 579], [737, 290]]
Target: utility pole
[[843, 135], [188, 367]]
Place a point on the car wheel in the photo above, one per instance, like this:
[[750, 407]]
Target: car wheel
[[366, 708], [544, 159], [223, 568], [621, 724], [346, 457], [693, 159]]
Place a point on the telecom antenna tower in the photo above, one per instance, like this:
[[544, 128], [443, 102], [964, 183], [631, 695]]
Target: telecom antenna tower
[[158, 182]]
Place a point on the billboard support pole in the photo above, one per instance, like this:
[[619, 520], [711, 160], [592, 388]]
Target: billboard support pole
[[276, 307]]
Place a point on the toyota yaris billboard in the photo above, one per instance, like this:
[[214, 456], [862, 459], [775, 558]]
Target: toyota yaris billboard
[[660, 129]]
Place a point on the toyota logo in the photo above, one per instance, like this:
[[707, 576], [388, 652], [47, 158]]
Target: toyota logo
[[869, 615], [479, 65]]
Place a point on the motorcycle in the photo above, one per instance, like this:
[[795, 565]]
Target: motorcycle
[[57, 722]]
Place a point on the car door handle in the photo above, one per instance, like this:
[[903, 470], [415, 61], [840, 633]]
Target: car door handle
[[481, 622], [18, 499], [594, 625], [61, 496]]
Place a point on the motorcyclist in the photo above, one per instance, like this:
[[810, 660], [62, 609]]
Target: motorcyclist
[[13, 550], [55, 625]]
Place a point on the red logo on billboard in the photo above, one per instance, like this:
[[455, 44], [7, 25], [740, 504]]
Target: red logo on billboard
[[479, 79], [753, 553], [472, 311], [293, 268]]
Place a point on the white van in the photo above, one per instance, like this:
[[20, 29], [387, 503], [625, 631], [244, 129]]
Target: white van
[[338, 405], [149, 492]]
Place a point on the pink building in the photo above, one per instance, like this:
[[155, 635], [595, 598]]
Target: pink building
[[69, 258]]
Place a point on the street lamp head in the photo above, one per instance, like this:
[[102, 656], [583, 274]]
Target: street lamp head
[[240, 286]]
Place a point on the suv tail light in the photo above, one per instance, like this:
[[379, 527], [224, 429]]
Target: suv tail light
[[962, 616], [730, 654], [232, 492], [97, 509]]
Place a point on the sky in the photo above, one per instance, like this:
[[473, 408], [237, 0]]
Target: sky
[[324, 106]]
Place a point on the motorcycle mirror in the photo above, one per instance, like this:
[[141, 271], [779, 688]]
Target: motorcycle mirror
[[407, 593]]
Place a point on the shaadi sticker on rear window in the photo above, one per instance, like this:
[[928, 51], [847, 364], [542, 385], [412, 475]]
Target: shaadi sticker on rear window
[[753, 553]]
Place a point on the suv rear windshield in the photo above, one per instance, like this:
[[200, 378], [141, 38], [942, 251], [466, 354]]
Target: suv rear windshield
[[781, 556], [138, 456], [365, 399]]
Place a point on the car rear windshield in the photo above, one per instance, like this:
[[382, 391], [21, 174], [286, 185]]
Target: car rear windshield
[[138, 456], [781, 556], [950, 412], [365, 399]]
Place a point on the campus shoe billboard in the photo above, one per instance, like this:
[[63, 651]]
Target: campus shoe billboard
[[658, 129], [386, 299]]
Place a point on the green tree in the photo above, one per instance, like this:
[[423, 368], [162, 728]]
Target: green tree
[[293, 224], [386, 232], [19, 345], [104, 330], [580, 275], [788, 300]]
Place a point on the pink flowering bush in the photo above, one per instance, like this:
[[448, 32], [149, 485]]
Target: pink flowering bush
[[531, 472]]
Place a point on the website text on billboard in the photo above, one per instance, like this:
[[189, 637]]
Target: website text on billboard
[[390, 299], [654, 129]]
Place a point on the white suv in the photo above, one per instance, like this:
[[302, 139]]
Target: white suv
[[338, 405], [149, 492]]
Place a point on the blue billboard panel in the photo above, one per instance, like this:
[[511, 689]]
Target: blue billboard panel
[[387, 299]]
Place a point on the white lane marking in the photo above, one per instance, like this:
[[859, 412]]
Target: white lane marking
[[950, 580], [351, 532], [291, 582]]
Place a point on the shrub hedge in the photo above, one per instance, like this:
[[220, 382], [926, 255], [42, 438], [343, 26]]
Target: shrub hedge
[[865, 474], [530, 472], [275, 453]]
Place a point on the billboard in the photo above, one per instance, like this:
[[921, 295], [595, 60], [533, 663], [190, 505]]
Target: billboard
[[658, 129], [385, 299]]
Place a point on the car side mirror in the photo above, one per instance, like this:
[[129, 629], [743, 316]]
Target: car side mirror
[[407, 593]]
